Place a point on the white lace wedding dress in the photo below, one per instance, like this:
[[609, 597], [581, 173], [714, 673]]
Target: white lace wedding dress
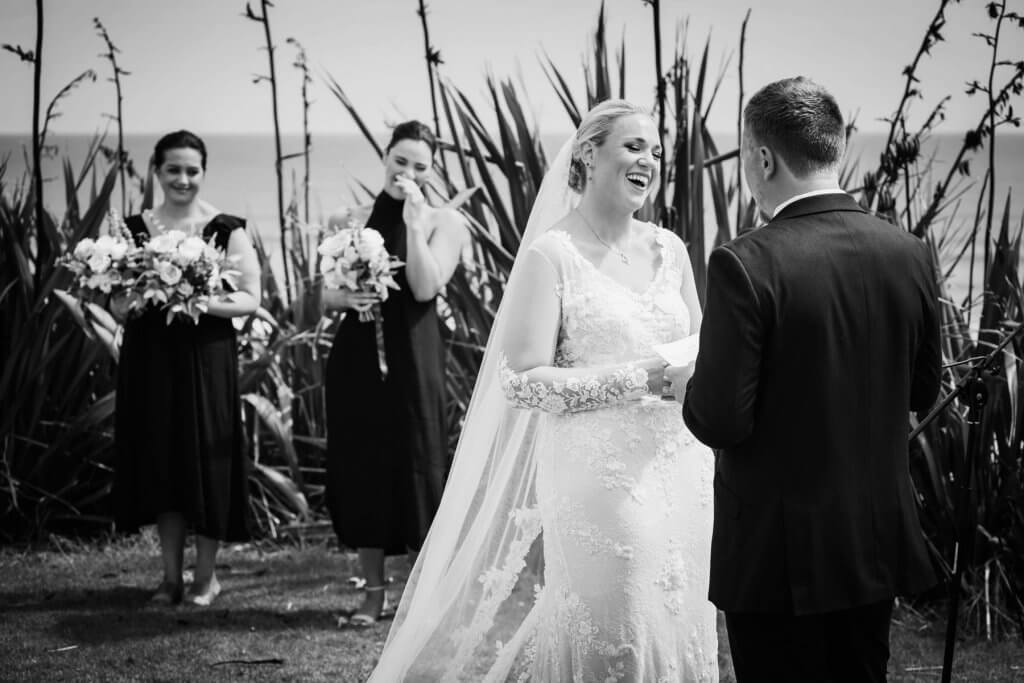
[[623, 491]]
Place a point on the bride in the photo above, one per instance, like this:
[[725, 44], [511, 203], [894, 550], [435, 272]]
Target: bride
[[567, 445]]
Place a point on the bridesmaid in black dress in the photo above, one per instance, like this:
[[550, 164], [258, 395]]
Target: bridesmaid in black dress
[[180, 449], [387, 455]]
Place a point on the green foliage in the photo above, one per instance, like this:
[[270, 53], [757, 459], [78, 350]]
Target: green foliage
[[56, 385], [906, 189]]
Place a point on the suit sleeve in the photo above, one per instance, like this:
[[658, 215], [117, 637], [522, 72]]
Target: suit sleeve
[[721, 395], [926, 380]]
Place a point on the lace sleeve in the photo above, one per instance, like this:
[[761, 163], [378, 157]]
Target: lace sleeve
[[574, 394]]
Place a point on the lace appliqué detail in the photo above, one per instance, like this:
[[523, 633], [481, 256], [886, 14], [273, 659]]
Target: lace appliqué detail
[[575, 394], [589, 535], [674, 578]]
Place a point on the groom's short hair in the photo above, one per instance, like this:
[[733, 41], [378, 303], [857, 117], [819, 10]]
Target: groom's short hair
[[798, 120]]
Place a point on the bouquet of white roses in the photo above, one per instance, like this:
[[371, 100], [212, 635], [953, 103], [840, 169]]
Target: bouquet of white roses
[[354, 257], [180, 273], [105, 265]]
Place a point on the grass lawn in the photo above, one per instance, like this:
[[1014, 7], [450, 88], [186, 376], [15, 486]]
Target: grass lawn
[[76, 612]]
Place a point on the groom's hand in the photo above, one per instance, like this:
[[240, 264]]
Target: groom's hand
[[676, 377]]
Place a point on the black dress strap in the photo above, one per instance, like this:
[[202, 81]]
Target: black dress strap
[[220, 228]]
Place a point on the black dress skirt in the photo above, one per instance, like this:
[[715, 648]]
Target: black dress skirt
[[179, 441], [387, 457]]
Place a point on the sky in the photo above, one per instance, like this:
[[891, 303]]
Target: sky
[[192, 62]]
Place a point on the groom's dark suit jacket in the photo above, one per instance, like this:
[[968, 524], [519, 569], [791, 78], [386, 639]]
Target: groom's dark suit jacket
[[820, 334]]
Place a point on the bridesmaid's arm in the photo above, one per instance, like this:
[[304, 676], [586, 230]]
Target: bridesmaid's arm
[[246, 299], [431, 261], [436, 239]]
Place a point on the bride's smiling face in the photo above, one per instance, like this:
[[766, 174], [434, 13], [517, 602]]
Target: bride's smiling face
[[625, 167]]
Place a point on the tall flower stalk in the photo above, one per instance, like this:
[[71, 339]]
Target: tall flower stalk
[[121, 158], [302, 64], [661, 96], [263, 18]]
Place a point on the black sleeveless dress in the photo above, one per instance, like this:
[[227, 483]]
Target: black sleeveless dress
[[179, 442], [387, 458]]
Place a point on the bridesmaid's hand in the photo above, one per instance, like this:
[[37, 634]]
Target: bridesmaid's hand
[[415, 211], [119, 307], [345, 299]]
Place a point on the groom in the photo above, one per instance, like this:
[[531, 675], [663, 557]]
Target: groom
[[820, 334]]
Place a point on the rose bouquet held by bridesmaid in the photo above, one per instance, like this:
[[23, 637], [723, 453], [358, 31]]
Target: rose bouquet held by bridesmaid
[[180, 454], [387, 452]]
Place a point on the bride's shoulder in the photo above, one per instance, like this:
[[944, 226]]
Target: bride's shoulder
[[669, 239], [554, 239]]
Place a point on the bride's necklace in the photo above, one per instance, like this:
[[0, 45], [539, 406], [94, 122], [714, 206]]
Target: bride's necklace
[[611, 247]]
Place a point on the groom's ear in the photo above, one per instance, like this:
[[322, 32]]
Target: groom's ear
[[767, 163]]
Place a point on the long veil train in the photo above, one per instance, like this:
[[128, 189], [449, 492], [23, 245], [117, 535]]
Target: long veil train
[[466, 595]]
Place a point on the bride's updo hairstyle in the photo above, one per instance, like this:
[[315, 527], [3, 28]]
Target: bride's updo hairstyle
[[594, 128]]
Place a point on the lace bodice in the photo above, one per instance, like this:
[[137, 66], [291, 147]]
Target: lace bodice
[[604, 328], [605, 322]]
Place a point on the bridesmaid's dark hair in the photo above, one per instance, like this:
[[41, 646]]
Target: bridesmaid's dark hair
[[413, 130], [177, 140]]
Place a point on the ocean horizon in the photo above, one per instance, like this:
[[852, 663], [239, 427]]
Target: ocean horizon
[[240, 173]]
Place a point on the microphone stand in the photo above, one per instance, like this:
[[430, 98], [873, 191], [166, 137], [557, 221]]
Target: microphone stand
[[973, 385]]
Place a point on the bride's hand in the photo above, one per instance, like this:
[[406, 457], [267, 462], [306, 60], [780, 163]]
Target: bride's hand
[[415, 211], [676, 377], [655, 367]]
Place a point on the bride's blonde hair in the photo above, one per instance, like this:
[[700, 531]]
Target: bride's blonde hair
[[594, 128]]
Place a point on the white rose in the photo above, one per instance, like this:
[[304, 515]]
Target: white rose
[[101, 282], [349, 254], [327, 264], [191, 249], [169, 273], [104, 245], [161, 244], [332, 245], [84, 248], [119, 249], [98, 262], [370, 244]]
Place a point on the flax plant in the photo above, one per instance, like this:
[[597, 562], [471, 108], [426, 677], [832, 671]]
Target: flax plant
[[909, 189]]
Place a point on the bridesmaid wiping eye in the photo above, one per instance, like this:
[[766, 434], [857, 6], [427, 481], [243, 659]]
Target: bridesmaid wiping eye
[[387, 450]]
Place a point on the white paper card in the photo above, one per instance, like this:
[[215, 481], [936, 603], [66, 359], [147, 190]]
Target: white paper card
[[680, 352]]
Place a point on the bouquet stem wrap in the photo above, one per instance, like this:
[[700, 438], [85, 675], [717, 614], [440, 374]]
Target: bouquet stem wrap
[[375, 315]]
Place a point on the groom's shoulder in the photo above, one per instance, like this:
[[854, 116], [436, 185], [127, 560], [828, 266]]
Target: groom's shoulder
[[747, 244]]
